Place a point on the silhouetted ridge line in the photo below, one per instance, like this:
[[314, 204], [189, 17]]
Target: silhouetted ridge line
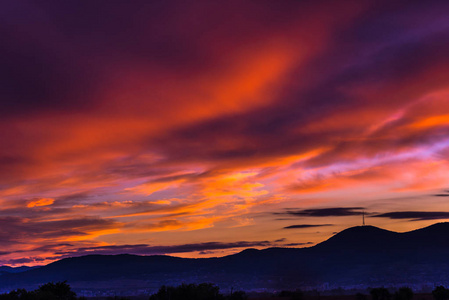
[[362, 255]]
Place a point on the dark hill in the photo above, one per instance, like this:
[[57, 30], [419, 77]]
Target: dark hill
[[363, 256], [436, 234], [360, 238]]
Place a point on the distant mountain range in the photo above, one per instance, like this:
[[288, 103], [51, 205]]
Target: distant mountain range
[[6, 269], [357, 257]]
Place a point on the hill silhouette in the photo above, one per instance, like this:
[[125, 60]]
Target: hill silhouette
[[362, 255], [6, 269]]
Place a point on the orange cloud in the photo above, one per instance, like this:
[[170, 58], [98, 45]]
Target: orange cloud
[[433, 121], [40, 202]]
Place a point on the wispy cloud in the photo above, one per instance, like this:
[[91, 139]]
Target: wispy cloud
[[301, 226], [414, 215], [325, 212], [152, 250]]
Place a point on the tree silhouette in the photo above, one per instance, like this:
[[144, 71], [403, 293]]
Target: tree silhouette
[[239, 295], [19, 294], [48, 291], [293, 295], [380, 294], [55, 291], [360, 296], [203, 291], [404, 293], [440, 293]]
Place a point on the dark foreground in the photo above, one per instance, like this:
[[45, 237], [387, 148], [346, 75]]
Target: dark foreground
[[208, 291], [356, 258]]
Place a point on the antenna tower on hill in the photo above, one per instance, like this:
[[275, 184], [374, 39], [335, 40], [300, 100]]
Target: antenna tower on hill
[[363, 218]]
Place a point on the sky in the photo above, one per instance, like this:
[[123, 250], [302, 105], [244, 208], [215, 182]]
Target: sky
[[201, 128]]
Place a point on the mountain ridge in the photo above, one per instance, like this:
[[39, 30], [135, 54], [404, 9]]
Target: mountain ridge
[[361, 255]]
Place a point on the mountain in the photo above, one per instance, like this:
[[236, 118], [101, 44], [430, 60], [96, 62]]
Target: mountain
[[6, 269], [359, 257]]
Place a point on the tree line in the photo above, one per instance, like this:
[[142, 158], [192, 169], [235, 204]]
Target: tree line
[[48, 291], [204, 291], [406, 293], [63, 291]]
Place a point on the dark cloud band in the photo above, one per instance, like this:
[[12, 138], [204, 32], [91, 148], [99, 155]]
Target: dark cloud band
[[325, 212], [300, 226], [414, 215]]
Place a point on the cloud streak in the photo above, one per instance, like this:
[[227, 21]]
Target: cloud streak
[[301, 226], [153, 250], [415, 215], [326, 212]]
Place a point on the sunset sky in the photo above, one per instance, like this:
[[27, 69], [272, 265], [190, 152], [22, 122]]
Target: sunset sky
[[201, 128]]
